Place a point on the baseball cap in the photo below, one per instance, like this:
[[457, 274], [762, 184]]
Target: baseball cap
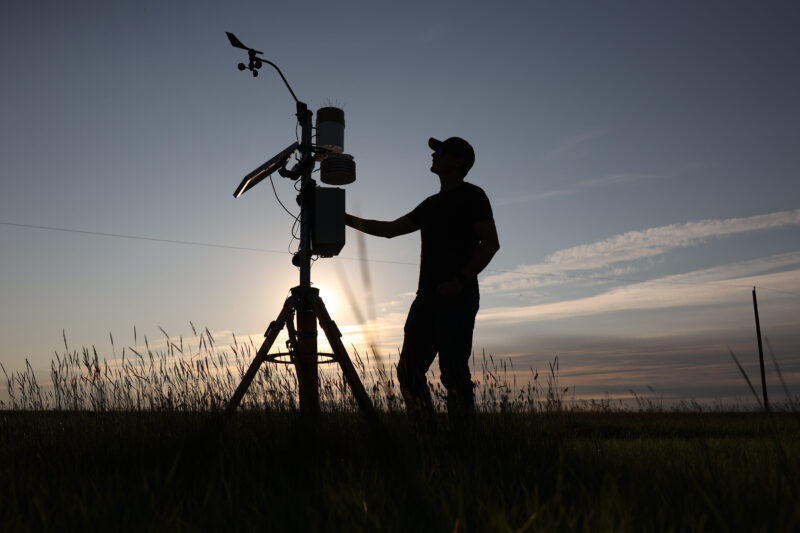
[[456, 146]]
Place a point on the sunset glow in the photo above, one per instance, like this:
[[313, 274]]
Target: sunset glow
[[642, 175]]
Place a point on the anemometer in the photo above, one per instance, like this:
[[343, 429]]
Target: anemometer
[[321, 208]]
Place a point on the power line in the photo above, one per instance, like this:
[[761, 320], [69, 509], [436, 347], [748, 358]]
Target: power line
[[189, 243], [142, 238], [383, 261]]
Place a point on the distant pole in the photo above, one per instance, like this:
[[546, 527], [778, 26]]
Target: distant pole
[[760, 352]]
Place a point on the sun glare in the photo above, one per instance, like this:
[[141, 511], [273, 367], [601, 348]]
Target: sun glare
[[332, 300]]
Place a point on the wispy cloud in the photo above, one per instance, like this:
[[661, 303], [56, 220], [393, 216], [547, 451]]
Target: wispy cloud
[[713, 286], [561, 266], [570, 145], [429, 35], [596, 183], [656, 241], [532, 197]]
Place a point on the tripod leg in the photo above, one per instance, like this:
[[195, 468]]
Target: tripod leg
[[305, 363], [348, 370], [272, 333]]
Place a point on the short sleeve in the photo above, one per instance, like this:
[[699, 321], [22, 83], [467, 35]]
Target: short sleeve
[[480, 208]]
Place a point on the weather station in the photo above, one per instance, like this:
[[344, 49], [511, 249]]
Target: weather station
[[322, 234]]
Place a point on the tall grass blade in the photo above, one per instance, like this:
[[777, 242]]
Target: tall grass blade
[[789, 398], [749, 383]]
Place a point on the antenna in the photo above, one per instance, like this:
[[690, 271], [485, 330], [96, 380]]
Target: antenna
[[321, 233]]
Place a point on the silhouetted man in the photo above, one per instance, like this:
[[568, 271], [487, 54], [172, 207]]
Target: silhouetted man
[[458, 241]]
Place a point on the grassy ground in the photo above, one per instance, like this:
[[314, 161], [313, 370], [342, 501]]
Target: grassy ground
[[134, 444], [569, 470]]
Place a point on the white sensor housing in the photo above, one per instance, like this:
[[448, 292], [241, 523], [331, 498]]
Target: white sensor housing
[[330, 131]]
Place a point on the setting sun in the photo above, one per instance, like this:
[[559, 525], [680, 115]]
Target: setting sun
[[332, 299]]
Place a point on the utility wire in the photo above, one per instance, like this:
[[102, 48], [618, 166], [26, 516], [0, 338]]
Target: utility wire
[[383, 261], [142, 238]]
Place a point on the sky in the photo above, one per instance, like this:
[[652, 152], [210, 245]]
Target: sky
[[641, 160]]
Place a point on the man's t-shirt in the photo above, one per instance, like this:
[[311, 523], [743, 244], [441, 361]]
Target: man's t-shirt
[[447, 226]]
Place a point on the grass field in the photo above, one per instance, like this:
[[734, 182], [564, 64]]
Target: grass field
[[590, 471], [138, 446]]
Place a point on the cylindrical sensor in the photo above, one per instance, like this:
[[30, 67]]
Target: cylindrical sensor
[[338, 169], [330, 131]]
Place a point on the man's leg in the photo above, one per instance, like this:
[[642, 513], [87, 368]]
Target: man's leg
[[415, 358], [455, 321]]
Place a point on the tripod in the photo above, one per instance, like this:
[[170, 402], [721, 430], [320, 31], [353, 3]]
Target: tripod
[[306, 303]]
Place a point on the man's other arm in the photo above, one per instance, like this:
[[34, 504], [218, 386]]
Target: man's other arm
[[381, 228], [488, 244]]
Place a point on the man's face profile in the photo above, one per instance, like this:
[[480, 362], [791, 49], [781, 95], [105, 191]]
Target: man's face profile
[[445, 163]]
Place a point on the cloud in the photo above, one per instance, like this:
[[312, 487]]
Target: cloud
[[714, 286], [631, 246], [429, 35], [595, 183], [525, 198], [656, 241], [569, 146]]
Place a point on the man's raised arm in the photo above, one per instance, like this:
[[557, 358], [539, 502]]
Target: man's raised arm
[[381, 228]]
